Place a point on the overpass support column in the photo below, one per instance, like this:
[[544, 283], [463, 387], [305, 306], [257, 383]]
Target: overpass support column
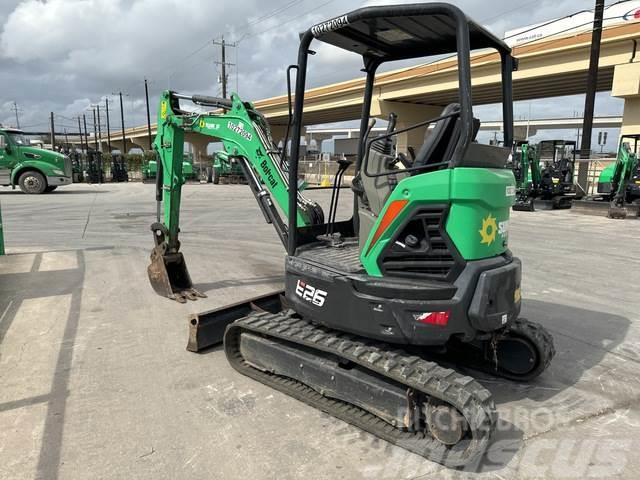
[[117, 145], [277, 132], [141, 142], [408, 114], [520, 132], [200, 144], [626, 84]]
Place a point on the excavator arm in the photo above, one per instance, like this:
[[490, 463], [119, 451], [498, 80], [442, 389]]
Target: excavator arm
[[246, 137]]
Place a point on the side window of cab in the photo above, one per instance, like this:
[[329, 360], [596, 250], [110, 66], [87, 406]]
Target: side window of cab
[[4, 146]]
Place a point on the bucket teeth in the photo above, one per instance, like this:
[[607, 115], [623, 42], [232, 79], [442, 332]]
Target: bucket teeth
[[169, 276]]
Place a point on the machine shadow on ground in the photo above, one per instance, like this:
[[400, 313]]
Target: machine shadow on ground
[[582, 339], [232, 283], [57, 192], [34, 284]]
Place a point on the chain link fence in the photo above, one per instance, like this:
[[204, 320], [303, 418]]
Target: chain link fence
[[322, 172]]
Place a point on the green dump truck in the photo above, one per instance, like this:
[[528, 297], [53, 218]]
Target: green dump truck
[[33, 169]]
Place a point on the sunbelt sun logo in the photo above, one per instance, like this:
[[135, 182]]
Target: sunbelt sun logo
[[491, 229]]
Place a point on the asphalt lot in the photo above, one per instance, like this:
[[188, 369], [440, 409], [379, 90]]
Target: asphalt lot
[[95, 381]]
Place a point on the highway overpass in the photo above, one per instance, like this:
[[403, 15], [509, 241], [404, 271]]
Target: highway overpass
[[547, 68]]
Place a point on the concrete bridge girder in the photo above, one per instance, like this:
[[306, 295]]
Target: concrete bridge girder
[[626, 85]]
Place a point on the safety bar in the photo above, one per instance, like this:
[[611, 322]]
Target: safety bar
[[387, 135]]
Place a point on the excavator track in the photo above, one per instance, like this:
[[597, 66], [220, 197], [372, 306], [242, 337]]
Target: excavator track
[[464, 397]]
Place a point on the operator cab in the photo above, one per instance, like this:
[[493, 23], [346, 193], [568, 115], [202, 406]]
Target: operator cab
[[387, 34], [558, 159]]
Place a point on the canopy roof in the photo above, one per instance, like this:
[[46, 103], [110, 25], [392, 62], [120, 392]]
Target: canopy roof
[[404, 31]]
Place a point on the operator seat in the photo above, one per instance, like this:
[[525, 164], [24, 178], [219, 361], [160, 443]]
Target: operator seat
[[440, 141]]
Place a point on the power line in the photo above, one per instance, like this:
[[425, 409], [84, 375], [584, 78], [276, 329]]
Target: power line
[[208, 43], [257, 34], [267, 16]]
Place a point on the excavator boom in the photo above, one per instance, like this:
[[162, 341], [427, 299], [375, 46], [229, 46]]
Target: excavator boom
[[246, 137]]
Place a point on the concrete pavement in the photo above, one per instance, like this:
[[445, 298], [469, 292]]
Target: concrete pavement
[[95, 381]]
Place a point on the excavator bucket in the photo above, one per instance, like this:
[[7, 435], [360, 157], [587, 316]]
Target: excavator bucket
[[169, 276], [617, 211]]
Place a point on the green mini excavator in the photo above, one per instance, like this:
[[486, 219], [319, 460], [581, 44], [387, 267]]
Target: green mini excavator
[[544, 174], [619, 183], [526, 171], [378, 308]]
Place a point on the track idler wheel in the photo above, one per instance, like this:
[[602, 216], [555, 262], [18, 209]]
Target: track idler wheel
[[521, 352], [516, 355], [445, 424]]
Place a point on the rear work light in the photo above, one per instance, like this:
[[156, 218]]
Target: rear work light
[[434, 318]]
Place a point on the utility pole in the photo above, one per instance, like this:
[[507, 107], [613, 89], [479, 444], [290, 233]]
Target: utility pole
[[16, 110], [80, 133], [224, 77], [95, 132], [124, 139], [99, 128], [66, 141], [95, 146], [86, 135], [53, 133], [590, 97], [146, 96], [106, 103]]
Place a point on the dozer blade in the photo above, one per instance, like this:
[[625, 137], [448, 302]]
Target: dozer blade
[[169, 276], [562, 202], [524, 205], [207, 328]]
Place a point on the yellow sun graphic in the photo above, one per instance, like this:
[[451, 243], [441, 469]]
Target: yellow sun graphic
[[488, 230]]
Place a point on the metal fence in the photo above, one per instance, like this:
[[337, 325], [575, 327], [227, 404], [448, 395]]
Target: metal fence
[[594, 169], [323, 172]]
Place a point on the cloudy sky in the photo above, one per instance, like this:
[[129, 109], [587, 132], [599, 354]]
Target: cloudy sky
[[64, 55]]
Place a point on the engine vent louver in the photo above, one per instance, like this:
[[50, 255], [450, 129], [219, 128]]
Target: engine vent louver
[[422, 249]]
